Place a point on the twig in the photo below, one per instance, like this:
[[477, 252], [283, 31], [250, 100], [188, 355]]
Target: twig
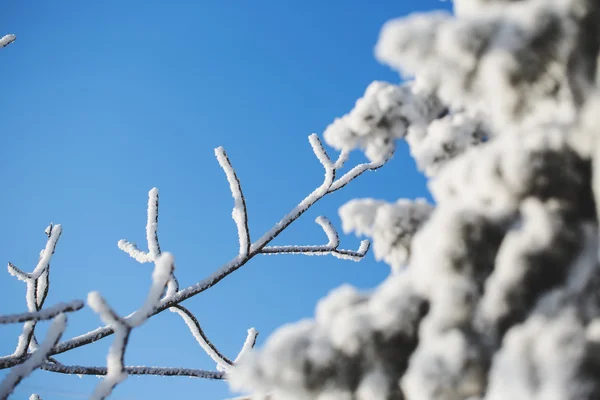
[[329, 248], [37, 358], [232, 265], [116, 372], [194, 326], [130, 370], [174, 296], [37, 287], [240, 212], [42, 315]]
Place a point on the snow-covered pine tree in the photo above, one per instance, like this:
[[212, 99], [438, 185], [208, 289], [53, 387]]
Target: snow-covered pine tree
[[495, 290]]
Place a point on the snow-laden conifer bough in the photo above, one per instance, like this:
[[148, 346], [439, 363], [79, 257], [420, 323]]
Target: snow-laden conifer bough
[[496, 290], [164, 292]]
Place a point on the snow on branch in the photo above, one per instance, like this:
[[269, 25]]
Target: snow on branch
[[36, 359], [133, 370], [7, 39], [37, 287], [115, 369], [159, 299], [151, 234], [116, 372], [223, 363], [239, 213], [164, 267], [176, 297], [194, 326], [248, 344], [329, 248], [53, 232], [42, 315], [152, 241]]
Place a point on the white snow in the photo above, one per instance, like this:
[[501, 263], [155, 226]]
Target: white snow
[[36, 358], [7, 39], [239, 213]]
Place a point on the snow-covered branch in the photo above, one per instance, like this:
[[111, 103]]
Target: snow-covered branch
[[223, 363], [7, 39], [240, 212], [42, 315], [36, 359], [116, 372], [196, 330], [151, 234], [176, 296], [329, 248], [132, 370], [37, 289]]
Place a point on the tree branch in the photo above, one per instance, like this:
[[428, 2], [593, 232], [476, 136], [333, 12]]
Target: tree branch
[[37, 288], [329, 248], [130, 370], [174, 296], [42, 315], [37, 358], [194, 326], [116, 372], [240, 212]]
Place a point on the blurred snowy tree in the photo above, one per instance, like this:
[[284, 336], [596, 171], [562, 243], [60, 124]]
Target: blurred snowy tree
[[496, 288]]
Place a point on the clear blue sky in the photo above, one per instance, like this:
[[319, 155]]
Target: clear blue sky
[[101, 101]]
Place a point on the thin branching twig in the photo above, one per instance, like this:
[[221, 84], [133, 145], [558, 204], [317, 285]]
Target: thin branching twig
[[165, 292]]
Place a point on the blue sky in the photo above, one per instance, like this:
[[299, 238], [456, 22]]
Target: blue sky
[[101, 101]]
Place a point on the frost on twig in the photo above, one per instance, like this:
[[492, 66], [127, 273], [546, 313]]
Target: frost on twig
[[151, 234], [133, 370], [37, 287], [116, 372], [37, 358], [172, 286], [160, 299], [196, 330], [330, 248], [7, 39], [239, 213], [152, 241], [177, 296], [223, 363], [42, 315]]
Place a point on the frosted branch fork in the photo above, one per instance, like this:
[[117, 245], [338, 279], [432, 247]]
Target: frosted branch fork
[[164, 292], [37, 283], [330, 248], [239, 216], [36, 359]]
